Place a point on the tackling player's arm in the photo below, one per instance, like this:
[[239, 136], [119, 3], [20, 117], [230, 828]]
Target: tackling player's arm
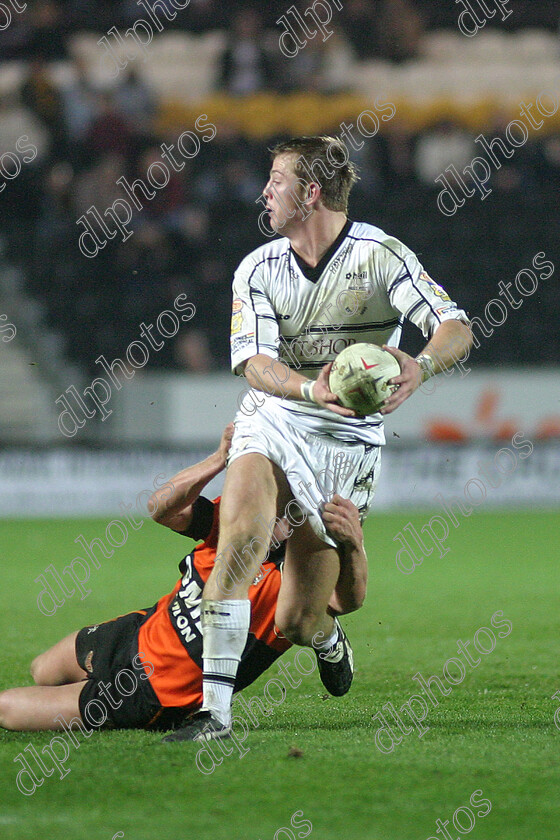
[[342, 519], [450, 341], [171, 504], [274, 377]]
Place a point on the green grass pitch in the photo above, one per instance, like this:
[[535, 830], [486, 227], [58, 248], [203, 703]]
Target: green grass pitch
[[495, 732]]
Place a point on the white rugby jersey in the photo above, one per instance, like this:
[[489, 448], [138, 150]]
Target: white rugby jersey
[[361, 290]]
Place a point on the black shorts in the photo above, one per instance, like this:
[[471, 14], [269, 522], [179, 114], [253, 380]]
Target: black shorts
[[117, 693]]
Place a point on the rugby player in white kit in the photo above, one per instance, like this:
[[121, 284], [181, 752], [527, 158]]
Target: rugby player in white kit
[[297, 302]]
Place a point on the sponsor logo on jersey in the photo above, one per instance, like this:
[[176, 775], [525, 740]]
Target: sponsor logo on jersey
[[435, 287], [237, 304], [284, 317], [185, 608], [336, 264], [241, 341], [323, 347], [356, 275], [443, 309], [236, 322]]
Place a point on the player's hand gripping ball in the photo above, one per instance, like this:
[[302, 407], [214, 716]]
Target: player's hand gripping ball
[[360, 377]]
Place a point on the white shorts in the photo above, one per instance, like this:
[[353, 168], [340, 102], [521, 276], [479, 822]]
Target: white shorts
[[316, 466]]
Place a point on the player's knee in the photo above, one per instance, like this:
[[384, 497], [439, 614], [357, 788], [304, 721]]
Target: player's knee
[[8, 709], [39, 671], [298, 626]]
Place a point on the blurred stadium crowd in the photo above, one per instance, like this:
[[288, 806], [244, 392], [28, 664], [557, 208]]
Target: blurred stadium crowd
[[191, 236]]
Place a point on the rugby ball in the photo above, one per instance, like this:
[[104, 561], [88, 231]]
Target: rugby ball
[[360, 377]]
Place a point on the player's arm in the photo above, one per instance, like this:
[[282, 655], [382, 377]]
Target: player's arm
[[171, 504], [274, 377], [342, 520], [413, 293], [450, 341]]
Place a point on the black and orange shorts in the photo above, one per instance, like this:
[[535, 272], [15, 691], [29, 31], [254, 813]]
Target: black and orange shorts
[[117, 693]]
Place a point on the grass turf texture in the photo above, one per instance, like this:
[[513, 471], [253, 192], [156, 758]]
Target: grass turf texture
[[494, 732]]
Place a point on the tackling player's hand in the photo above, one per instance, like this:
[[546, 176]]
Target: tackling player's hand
[[225, 441], [409, 379], [342, 520], [325, 397]]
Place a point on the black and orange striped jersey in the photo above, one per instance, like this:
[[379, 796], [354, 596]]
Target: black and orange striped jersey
[[170, 640]]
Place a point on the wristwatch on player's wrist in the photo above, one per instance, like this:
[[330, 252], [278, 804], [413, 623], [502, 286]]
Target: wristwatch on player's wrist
[[426, 366]]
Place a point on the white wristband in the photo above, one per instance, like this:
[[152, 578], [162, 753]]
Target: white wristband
[[307, 390]]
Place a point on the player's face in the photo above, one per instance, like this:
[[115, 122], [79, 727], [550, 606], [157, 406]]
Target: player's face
[[282, 194]]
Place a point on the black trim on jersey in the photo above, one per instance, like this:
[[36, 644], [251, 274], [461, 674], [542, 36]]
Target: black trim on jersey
[[396, 283], [413, 308], [369, 239], [373, 325], [202, 519], [314, 273], [311, 365], [354, 425], [258, 292]]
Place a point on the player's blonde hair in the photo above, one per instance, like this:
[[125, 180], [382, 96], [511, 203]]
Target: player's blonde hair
[[330, 156]]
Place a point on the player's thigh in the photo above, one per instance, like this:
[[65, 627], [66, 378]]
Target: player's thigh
[[310, 573], [254, 487], [35, 707], [58, 664]]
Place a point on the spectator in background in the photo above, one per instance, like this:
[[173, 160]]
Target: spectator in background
[[191, 352], [211, 295], [136, 102], [79, 100], [204, 15], [54, 270], [245, 65], [17, 120], [546, 161], [15, 37], [392, 156], [109, 130], [39, 94], [167, 200], [360, 19], [306, 70], [400, 30], [444, 144], [47, 38], [98, 185], [95, 15]]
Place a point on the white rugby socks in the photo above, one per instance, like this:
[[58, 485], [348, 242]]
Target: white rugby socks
[[225, 626], [328, 643]]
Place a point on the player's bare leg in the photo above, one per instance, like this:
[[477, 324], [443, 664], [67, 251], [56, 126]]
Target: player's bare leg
[[311, 572], [255, 491], [35, 707], [58, 665]]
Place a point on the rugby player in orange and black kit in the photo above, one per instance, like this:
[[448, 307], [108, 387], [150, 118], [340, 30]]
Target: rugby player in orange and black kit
[[144, 669]]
